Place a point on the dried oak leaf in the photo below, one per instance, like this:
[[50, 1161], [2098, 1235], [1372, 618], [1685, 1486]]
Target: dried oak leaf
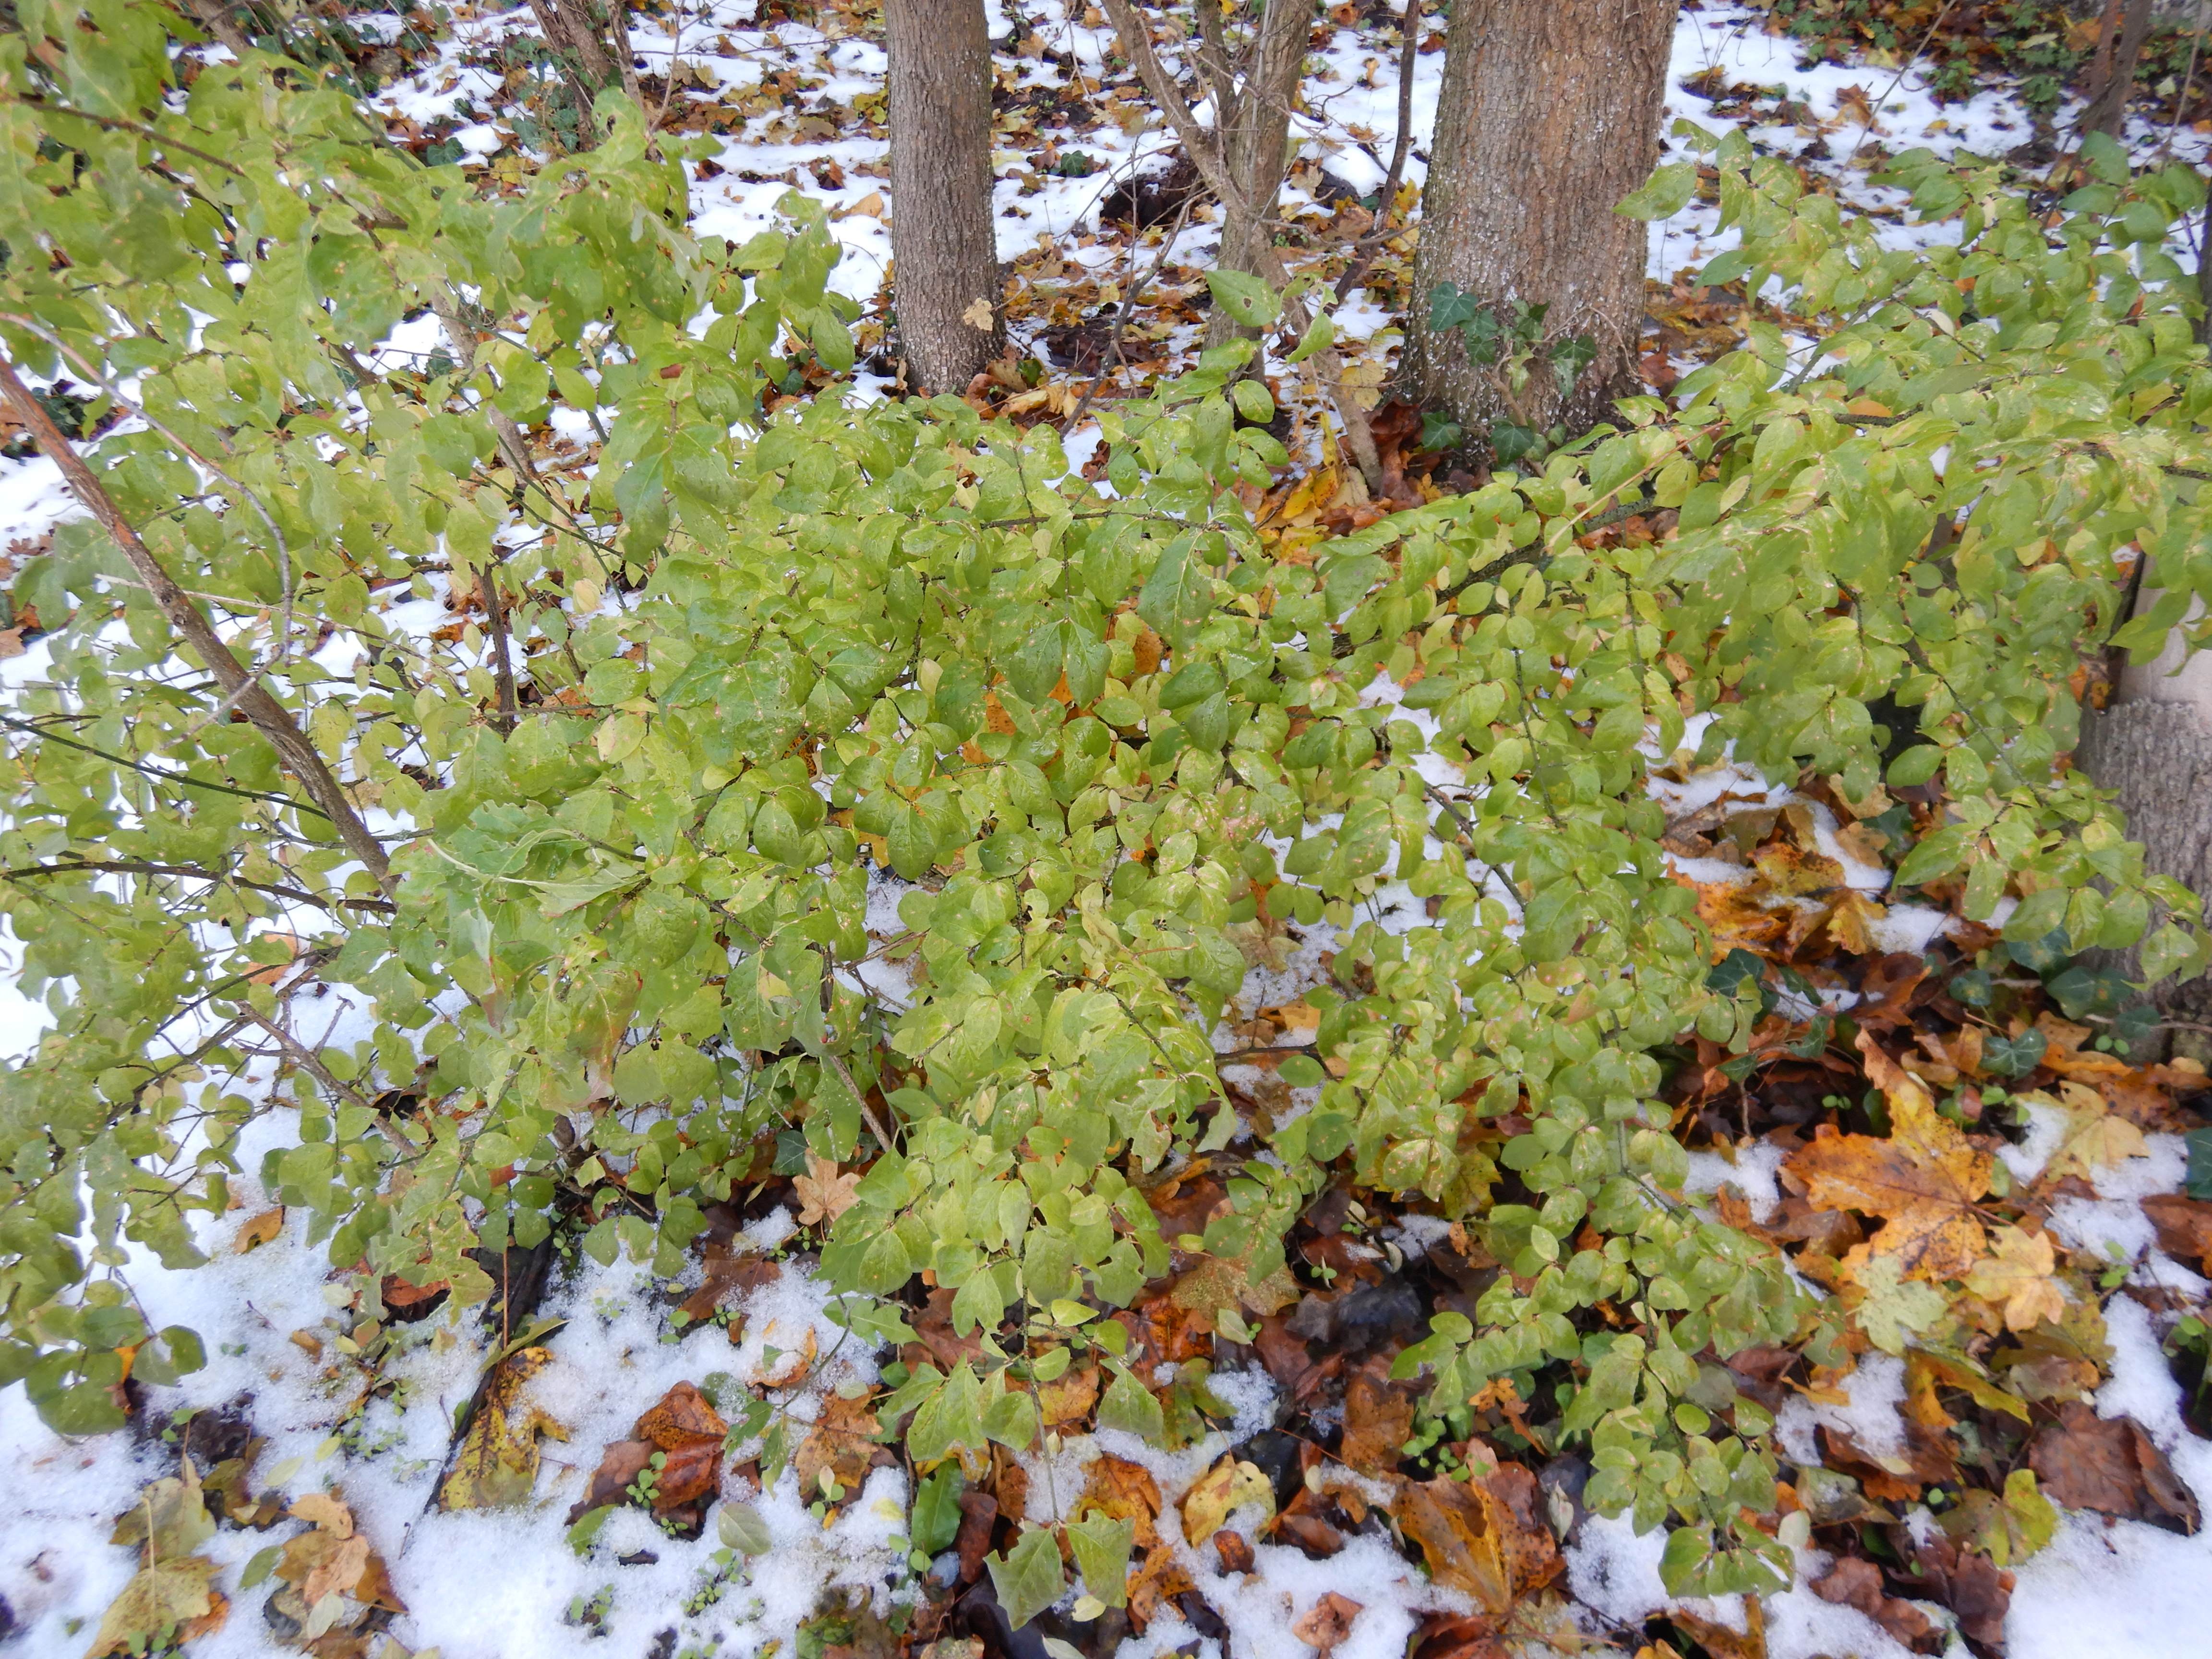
[[1922, 1180], [823, 1193], [1122, 1491], [2108, 1464], [1327, 1623], [497, 1466]]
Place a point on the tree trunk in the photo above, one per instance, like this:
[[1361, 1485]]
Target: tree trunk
[[2153, 744], [1549, 117], [944, 256], [1256, 141], [2114, 74]]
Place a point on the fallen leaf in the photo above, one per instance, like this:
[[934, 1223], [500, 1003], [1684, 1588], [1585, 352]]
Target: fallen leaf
[[1379, 1419], [1922, 1180], [320, 1509], [497, 1466], [1856, 1583], [2183, 1226], [170, 1518], [1123, 1490], [978, 315], [842, 1442], [2094, 1137], [1235, 1551], [1452, 1522], [1215, 1283], [167, 1604], [2017, 1275], [1229, 1485], [1069, 1397], [259, 1229], [823, 1194], [1892, 1308], [620, 1465], [1328, 1622], [2086, 1462]]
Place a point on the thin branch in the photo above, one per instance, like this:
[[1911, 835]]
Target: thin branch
[[253, 700], [114, 123], [138, 867], [182, 779]]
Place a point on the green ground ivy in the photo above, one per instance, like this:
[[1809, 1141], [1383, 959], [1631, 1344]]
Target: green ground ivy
[[1106, 746]]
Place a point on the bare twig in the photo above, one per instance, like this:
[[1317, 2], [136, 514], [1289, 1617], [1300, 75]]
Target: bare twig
[[136, 867]]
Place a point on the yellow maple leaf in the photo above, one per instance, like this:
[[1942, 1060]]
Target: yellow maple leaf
[[1923, 1180], [2095, 1138], [2017, 1276]]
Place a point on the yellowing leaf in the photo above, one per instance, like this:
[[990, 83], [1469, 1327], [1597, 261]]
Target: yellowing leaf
[[2095, 1137], [1229, 1485], [497, 1466], [166, 1604], [1923, 1180], [2017, 1276], [1892, 1308], [978, 316]]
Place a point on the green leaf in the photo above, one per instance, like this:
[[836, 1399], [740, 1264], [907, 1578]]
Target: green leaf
[[1249, 301], [1130, 1407], [741, 1528], [1102, 1547], [1320, 336], [1664, 195], [937, 1513], [1028, 1577]]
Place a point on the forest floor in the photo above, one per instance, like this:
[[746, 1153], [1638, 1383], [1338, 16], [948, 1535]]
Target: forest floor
[[322, 1444]]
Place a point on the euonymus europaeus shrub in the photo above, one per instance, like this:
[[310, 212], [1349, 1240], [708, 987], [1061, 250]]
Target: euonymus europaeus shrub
[[782, 675]]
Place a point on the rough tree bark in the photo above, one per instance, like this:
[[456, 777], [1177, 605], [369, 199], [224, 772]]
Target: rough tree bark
[[2153, 744], [1254, 121], [945, 257], [1549, 116]]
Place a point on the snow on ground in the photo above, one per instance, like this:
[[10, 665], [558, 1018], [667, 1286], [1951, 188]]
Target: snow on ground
[[509, 1583]]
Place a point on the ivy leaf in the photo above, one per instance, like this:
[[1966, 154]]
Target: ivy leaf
[[1892, 1308], [1028, 1577], [1130, 1407]]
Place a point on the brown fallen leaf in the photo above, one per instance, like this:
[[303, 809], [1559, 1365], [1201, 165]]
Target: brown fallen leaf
[[823, 1193], [1451, 1521], [1235, 1551], [1854, 1582], [2110, 1465], [620, 1465], [259, 1229], [497, 1466], [1922, 1180], [979, 1510], [1122, 1491], [1379, 1419], [2183, 1226], [1328, 1622], [1316, 1537], [841, 1443]]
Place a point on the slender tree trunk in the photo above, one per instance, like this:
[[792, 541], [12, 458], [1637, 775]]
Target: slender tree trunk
[[945, 255], [1255, 132], [2153, 746], [2114, 76], [1549, 117]]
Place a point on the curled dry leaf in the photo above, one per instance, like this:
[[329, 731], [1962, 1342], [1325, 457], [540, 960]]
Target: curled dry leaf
[[497, 1466], [1855, 1583], [1378, 1418], [1328, 1622], [1228, 1486]]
